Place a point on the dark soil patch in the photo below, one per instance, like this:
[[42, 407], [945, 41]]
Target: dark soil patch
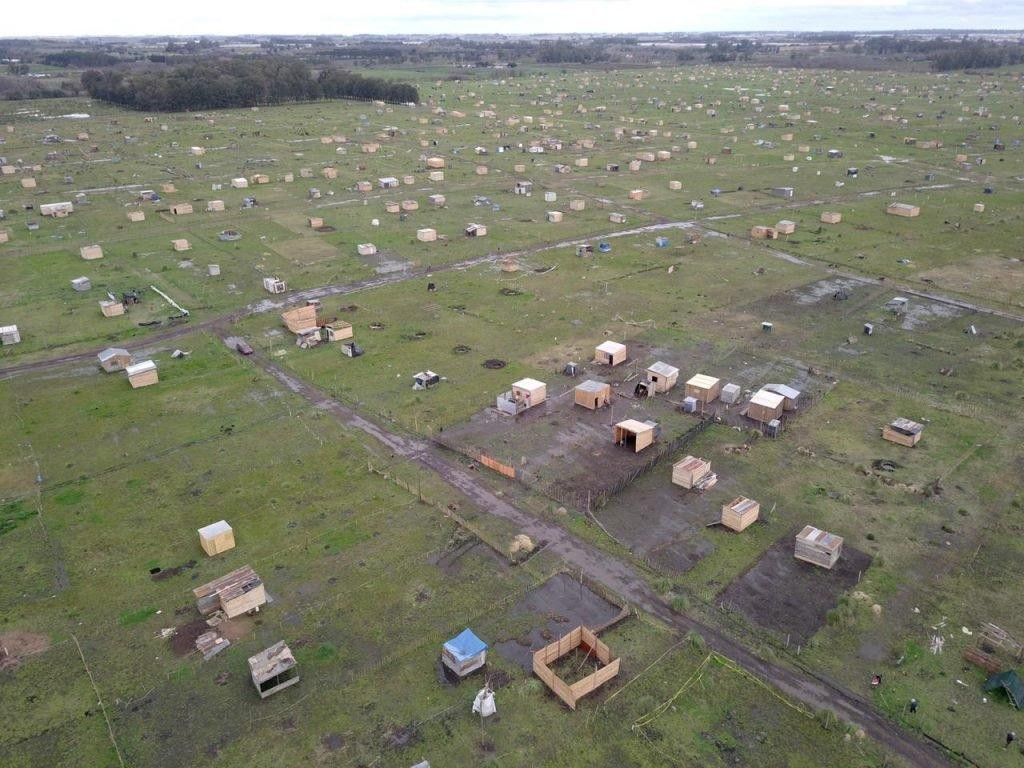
[[349, 308], [324, 229], [494, 364], [415, 336], [376, 326], [16, 646], [558, 605], [498, 678], [183, 642], [222, 679], [510, 292], [790, 596], [158, 574], [460, 349], [333, 741], [400, 736]]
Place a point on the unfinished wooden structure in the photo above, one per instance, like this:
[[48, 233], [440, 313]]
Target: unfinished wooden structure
[[903, 209], [525, 393], [593, 394], [705, 389], [465, 653], [216, 538], [635, 434], [584, 639], [818, 547], [111, 308], [181, 209], [831, 217], [273, 669], [90, 252], [610, 353], [662, 376], [740, 513], [233, 594], [903, 432], [693, 473], [142, 374]]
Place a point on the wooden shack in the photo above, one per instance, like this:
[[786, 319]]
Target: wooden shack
[[90, 252], [903, 432], [214, 206], [181, 244], [740, 513], [617, 218], [525, 393], [233, 594], [181, 209], [593, 394], [315, 222], [790, 396], [706, 389], [785, 227], [585, 640], [114, 359], [240, 183], [273, 669], [765, 406], [555, 217], [761, 232], [476, 230], [693, 472], [435, 162], [464, 654], [610, 353], [300, 319], [142, 374], [426, 235], [216, 538], [634, 434], [662, 376], [831, 217], [818, 547], [903, 209]]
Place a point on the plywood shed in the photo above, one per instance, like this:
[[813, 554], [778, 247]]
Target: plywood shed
[[57, 210], [233, 594], [476, 230], [593, 394], [481, 170], [765, 406], [525, 393], [113, 359], [315, 222], [329, 173], [410, 205], [288, 178], [9, 335], [336, 331], [181, 244], [273, 669], [662, 375], [111, 308], [81, 284], [465, 653], [581, 162], [436, 175], [786, 227], [634, 434], [635, 165], [637, 194], [306, 173], [197, 151], [409, 179], [790, 396], [555, 217], [273, 285], [426, 235], [300, 319], [617, 218], [691, 472], [818, 547], [577, 204], [740, 513], [435, 162], [142, 374], [903, 209], [586, 640], [364, 186], [216, 538], [979, 207], [784, 192], [366, 249], [28, 183], [135, 216], [240, 183], [10, 170], [215, 206], [392, 207], [903, 432], [704, 388], [260, 178], [437, 201], [181, 209], [610, 353], [4, 235], [90, 252], [831, 217], [761, 232]]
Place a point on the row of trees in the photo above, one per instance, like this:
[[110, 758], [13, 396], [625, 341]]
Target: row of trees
[[248, 82]]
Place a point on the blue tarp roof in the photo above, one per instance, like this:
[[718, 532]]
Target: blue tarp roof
[[465, 645]]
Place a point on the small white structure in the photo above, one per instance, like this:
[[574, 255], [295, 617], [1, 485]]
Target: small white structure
[[366, 249], [91, 252], [142, 374], [464, 653], [9, 335], [81, 284], [273, 285], [240, 183]]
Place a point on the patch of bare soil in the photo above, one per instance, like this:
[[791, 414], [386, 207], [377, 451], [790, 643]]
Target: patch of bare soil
[[16, 646], [183, 642]]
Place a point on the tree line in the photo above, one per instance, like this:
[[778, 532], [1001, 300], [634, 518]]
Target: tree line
[[226, 83]]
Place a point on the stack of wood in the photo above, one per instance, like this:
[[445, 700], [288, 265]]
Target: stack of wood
[[210, 644], [235, 593], [818, 547]]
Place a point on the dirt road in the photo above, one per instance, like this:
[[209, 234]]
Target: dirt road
[[814, 691]]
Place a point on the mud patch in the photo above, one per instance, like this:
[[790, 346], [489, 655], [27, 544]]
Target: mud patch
[[790, 596], [823, 289], [399, 736], [494, 364], [333, 741], [157, 574], [183, 642], [557, 606], [17, 646]]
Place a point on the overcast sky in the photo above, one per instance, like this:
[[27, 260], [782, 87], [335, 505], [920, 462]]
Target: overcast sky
[[226, 17]]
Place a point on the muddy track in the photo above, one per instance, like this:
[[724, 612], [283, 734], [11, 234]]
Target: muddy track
[[814, 691]]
